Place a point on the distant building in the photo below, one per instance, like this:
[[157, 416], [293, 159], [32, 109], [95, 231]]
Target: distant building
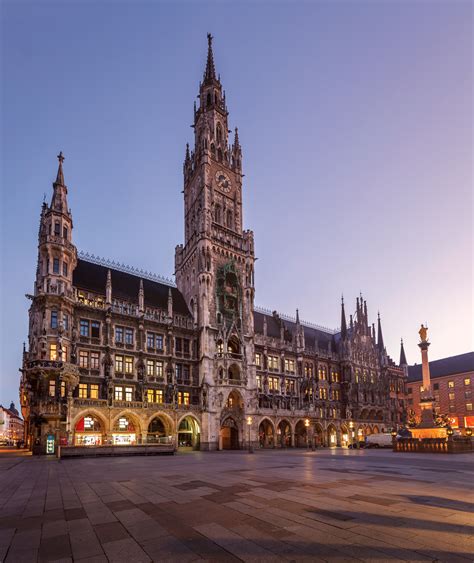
[[120, 356], [452, 383], [11, 425]]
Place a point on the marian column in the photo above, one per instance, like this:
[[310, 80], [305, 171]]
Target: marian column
[[426, 398]]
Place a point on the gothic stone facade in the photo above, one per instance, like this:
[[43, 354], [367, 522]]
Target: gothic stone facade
[[119, 356]]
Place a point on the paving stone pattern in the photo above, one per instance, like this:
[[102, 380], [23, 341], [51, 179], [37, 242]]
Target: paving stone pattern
[[290, 505]]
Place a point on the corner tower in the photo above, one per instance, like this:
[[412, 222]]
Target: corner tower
[[215, 267]]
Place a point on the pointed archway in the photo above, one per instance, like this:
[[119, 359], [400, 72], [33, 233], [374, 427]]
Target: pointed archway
[[266, 434]]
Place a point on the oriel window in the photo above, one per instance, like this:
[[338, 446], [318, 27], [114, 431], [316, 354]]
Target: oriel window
[[53, 352], [52, 388], [55, 265], [57, 228], [84, 327], [94, 360], [65, 269], [95, 329], [54, 319]]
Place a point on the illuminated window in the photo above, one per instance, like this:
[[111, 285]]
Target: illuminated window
[[94, 391], [95, 329], [119, 364], [128, 336], [118, 393], [308, 370], [258, 360], [63, 388], [150, 368], [150, 395], [467, 381], [220, 347], [357, 376], [53, 352], [159, 396], [273, 362], [259, 382], [52, 388], [94, 360], [273, 383], [54, 319], [335, 377], [159, 369], [128, 364], [183, 398], [451, 396], [118, 334], [82, 390], [84, 327], [335, 395], [322, 373], [451, 384], [323, 393], [469, 406], [83, 359], [128, 393], [289, 365]]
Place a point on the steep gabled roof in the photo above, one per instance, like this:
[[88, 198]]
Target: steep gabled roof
[[93, 277], [446, 366]]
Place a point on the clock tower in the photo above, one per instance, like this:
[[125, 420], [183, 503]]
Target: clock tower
[[215, 269]]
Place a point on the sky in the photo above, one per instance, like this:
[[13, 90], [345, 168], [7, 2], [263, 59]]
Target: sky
[[355, 120]]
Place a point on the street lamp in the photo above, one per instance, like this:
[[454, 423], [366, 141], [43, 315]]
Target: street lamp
[[249, 424], [306, 423], [468, 431], [351, 431]]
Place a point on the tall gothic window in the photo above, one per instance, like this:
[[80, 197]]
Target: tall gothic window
[[217, 214], [219, 133], [229, 219]]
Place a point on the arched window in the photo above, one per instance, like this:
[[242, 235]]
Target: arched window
[[217, 214], [219, 155], [219, 133], [220, 347], [208, 101], [229, 219]]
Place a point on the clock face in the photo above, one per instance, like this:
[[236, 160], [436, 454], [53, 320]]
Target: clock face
[[223, 181]]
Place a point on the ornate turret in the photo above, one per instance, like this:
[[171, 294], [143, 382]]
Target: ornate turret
[[380, 344]]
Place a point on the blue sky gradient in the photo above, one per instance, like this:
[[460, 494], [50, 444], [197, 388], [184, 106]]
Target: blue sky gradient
[[355, 120]]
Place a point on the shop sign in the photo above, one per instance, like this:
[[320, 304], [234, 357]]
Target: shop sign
[[50, 444]]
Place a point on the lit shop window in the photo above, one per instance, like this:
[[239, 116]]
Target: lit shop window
[[88, 432], [124, 432]]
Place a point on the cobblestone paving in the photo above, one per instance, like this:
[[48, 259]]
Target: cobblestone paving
[[332, 505]]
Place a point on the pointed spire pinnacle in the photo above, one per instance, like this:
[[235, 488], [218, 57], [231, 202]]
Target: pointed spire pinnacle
[[141, 297], [236, 139], [403, 358], [343, 319], [210, 72], [108, 288], [60, 174], [380, 344], [188, 157], [297, 317]]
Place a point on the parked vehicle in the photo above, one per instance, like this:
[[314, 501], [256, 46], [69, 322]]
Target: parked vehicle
[[378, 441], [355, 445]]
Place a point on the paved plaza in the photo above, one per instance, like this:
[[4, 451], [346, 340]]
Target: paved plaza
[[290, 505]]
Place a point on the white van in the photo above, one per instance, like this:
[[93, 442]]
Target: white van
[[378, 441]]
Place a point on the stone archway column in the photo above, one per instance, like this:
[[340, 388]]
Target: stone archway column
[[144, 437], [292, 439]]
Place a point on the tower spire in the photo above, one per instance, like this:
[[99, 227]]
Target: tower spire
[[403, 358], [210, 72], [380, 344], [343, 319], [60, 174]]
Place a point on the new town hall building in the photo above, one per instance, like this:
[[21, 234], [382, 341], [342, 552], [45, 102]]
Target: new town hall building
[[119, 356]]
